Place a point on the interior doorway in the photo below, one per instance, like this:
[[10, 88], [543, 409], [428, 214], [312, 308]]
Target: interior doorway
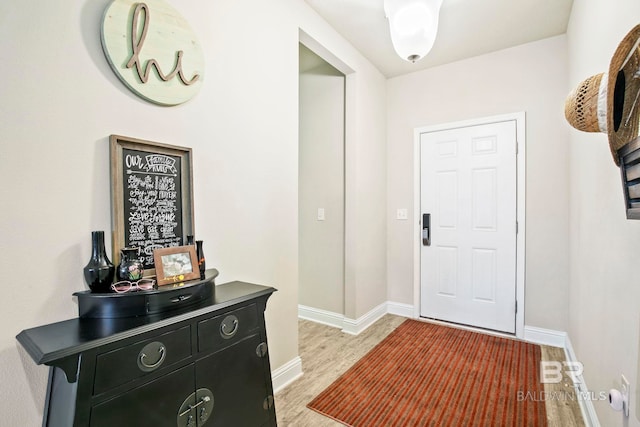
[[321, 190]]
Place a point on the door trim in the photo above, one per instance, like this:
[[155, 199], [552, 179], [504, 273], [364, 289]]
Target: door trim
[[520, 119]]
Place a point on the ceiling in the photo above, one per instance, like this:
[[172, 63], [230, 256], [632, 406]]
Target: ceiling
[[467, 28]]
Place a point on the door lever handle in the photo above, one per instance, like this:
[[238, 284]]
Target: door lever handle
[[426, 229]]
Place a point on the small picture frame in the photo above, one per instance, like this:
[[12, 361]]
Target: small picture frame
[[176, 264]]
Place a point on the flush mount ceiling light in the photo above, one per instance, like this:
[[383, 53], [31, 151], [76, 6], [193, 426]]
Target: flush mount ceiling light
[[413, 24]]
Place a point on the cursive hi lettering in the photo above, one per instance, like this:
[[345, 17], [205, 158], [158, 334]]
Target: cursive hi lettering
[[137, 44]]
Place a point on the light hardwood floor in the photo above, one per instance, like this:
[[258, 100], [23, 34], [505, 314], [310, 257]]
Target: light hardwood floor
[[327, 352]]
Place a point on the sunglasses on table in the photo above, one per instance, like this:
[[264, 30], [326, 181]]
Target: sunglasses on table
[[140, 285]]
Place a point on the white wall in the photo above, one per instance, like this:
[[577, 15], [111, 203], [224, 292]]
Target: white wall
[[61, 101], [366, 197], [604, 307], [321, 185], [529, 78]]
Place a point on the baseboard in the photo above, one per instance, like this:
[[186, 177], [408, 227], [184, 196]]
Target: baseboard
[[286, 374], [586, 405], [355, 327], [320, 316], [545, 336], [399, 309]]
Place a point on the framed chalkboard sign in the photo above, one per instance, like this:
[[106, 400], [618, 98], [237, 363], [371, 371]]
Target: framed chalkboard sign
[[151, 196]]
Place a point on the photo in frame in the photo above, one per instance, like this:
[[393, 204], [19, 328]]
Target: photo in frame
[[176, 264], [151, 196]]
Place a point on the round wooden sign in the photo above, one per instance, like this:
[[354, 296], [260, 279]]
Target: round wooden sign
[[152, 49]]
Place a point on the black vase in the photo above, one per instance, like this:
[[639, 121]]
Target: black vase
[[98, 273], [201, 260], [130, 267]]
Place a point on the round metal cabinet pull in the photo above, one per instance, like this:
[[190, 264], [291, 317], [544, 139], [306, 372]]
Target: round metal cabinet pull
[[151, 356], [261, 349], [198, 404], [229, 326], [267, 403]]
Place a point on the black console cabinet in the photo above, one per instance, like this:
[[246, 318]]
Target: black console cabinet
[[203, 365]]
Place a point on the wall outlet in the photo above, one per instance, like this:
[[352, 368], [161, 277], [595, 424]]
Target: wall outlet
[[402, 214], [320, 214], [625, 390]]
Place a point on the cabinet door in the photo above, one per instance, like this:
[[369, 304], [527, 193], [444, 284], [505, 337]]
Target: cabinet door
[[154, 404], [236, 376]]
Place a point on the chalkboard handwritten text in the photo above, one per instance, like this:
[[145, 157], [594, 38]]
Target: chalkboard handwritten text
[[152, 202]]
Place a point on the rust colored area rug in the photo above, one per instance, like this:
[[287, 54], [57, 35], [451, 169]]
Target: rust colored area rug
[[424, 374]]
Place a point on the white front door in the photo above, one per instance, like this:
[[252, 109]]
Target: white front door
[[468, 188]]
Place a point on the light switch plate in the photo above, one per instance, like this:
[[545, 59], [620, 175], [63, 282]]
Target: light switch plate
[[320, 214], [401, 214]]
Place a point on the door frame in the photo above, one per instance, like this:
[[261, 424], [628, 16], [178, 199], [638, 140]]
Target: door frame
[[520, 119]]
